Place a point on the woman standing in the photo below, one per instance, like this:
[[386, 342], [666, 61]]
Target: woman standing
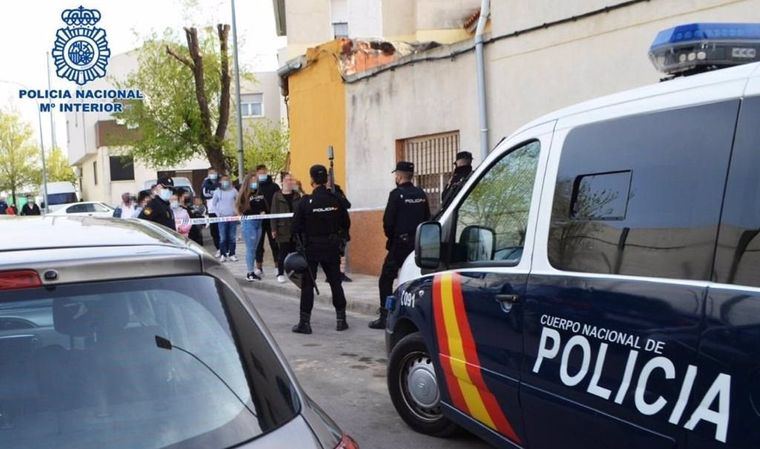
[[251, 201], [223, 202], [284, 201], [180, 215]]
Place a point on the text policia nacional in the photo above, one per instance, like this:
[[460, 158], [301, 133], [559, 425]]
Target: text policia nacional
[[590, 343], [106, 100]]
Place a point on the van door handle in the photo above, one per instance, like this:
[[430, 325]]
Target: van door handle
[[506, 301]]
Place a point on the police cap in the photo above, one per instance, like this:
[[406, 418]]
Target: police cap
[[464, 155], [165, 181], [405, 166]]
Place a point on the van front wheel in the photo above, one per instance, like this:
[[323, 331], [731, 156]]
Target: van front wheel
[[414, 388]]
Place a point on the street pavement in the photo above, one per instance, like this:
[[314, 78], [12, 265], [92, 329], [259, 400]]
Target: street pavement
[[344, 372]]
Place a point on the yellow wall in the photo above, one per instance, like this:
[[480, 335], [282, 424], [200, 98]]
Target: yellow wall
[[317, 110]]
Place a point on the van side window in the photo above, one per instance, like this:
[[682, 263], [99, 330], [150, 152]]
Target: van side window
[[642, 195], [738, 257], [492, 220]]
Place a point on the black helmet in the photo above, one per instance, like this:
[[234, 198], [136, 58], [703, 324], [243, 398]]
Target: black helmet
[[295, 263]]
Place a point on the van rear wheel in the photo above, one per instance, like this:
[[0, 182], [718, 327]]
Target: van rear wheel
[[414, 388]]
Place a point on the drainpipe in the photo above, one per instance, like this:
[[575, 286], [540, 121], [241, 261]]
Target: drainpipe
[[485, 11]]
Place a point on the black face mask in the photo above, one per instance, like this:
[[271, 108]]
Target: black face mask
[[463, 170]]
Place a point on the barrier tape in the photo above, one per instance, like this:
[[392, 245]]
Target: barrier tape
[[237, 218]]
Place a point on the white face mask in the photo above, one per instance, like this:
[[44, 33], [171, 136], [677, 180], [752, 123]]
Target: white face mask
[[174, 204]]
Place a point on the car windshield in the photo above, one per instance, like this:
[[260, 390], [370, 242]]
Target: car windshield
[[148, 363]]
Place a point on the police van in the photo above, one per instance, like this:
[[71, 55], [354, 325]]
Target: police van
[[596, 283]]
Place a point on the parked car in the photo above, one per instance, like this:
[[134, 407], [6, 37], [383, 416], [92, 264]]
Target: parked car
[[89, 208], [596, 282], [120, 334]]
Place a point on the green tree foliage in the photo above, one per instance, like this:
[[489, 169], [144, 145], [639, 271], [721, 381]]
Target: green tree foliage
[[266, 142], [19, 156], [185, 112], [58, 168]]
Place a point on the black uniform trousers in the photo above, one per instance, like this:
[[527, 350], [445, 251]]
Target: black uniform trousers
[[396, 256], [329, 258], [267, 230]]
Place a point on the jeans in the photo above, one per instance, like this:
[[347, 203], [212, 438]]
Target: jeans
[[251, 237], [227, 232]]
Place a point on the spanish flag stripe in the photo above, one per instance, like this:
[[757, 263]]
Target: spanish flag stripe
[[473, 366], [475, 405], [455, 393]]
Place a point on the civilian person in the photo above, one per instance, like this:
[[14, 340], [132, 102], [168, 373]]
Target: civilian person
[[251, 202], [127, 207], [209, 186], [30, 208], [197, 210], [284, 201], [267, 187], [181, 217], [223, 202]]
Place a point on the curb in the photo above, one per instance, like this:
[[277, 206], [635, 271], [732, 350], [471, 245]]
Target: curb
[[324, 298]]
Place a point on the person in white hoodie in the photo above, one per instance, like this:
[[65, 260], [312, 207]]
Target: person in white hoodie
[[223, 202]]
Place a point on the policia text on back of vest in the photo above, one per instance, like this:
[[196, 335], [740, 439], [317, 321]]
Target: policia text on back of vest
[[596, 281]]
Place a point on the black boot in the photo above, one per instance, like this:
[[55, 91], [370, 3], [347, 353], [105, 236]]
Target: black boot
[[342, 324], [303, 326], [380, 322]]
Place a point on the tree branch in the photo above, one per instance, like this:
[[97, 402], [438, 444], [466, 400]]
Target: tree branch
[[200, 83], [179, 57]]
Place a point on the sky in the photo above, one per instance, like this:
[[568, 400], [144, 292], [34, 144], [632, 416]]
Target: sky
[[28, 27]]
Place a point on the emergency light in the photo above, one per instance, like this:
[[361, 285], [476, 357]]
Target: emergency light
[[699, 47]]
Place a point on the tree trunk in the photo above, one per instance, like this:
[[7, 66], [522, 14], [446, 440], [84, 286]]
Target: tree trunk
[[213, 140]]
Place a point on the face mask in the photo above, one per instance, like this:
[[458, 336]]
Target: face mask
[[225, 185], [254, 185], [212, 176], [262, 178], [165, 194], [174, 204], [30, 201]]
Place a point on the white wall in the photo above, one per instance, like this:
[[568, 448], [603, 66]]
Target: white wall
[[527, 77], [415, 100]]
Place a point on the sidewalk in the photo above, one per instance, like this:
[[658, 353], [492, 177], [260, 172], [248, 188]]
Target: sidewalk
[[361, 294]]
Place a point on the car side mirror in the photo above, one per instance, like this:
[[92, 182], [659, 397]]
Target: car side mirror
[[427, 245], [478, 243]]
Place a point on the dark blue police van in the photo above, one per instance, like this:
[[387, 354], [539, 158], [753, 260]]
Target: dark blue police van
[[596, 283]]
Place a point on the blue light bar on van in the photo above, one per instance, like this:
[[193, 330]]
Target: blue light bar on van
[[698, 47]]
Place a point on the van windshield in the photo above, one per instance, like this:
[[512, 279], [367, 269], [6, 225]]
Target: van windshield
[[61, 198], [81, 367]]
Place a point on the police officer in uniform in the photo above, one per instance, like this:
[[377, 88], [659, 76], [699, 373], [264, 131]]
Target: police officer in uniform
[[319, 221], [462, 171], [157, 210], [407, 207]]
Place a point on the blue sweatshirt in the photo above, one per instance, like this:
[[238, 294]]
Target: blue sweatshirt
[[223, 202]]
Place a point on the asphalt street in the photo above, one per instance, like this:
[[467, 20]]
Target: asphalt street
[[344, 372]]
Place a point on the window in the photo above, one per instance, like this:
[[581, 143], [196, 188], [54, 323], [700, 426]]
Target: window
[[738, 258], [97, 207], [433, 158], [340, 29], [122, 168], [641, 195], [252, 105], [81, 208], [95, 172], [85, 365], [492, 220], [601, 196]]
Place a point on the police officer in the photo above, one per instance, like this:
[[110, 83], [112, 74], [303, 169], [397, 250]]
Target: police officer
[[319, 221], [407, 207], [157, 210], [462, 171]]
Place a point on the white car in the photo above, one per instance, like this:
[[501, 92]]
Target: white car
[[90, 208]]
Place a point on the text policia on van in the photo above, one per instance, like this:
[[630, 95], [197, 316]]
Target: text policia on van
[[551, 346]]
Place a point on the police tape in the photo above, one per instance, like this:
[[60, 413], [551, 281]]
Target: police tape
[[240, 218]]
